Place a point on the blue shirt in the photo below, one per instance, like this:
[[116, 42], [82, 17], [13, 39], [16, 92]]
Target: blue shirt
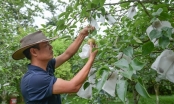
[[37, 85]]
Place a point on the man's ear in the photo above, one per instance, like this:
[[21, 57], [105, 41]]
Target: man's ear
[[33, 52]]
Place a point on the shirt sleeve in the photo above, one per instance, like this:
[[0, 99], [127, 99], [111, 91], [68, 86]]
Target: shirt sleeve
[[40, 86]]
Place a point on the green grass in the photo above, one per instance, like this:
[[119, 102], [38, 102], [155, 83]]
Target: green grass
[[74, 99], [162, 100]]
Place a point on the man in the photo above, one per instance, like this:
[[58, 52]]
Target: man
[[39, 85]]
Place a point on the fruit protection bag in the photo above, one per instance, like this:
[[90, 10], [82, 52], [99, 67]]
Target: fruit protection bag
[[92, 77], [110, 84], [164, 65], [85, 51], [87, 93]]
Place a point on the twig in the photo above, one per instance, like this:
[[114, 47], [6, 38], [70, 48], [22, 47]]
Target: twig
[[109, 76], [144, 8], [121, 2]]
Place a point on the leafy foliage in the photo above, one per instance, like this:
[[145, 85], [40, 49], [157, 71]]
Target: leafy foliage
[[64, 71], [16, 21], [125, 35]]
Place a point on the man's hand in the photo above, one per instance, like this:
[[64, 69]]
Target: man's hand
[[85, 31], [93, 53]]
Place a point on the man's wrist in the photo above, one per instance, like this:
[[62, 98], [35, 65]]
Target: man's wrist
[[82, 35]]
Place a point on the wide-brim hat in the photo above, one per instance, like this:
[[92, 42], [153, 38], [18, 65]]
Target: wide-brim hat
[[28, 41]]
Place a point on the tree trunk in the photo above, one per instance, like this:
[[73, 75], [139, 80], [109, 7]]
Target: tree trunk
[[135, 96], [156, 87]]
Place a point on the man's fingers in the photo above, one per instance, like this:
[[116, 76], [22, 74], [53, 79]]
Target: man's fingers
[[90, 28], [91, 45]]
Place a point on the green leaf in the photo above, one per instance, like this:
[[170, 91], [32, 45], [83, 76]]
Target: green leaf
[[95, 1], [102, 81], [141, 89], [73, 26], [122, 89], [60, 24], [101, 54], [69, 9], [137, 40], [0, 68], [159, 11], [94, 4], [103, 42], [128, 51], [122, 64], [166, 31], [164, 42], [93, 49], [86, 85], [155, 34], [62, 14], [103, 11], [84, 13], [101, 2], [147, 48], [137, 65], [102, 69], [127, 73], [66, 37], [125, 5], [161, 5], [154, 14], [76, 4], [94, 32], [153, 19], [138, 22]]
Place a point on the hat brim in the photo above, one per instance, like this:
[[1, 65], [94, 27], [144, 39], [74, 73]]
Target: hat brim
[[17, 55]]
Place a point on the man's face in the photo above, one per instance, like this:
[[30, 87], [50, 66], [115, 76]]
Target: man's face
[[45, 52]]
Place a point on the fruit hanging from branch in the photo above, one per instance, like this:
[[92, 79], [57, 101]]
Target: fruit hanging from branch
[[91, 40]]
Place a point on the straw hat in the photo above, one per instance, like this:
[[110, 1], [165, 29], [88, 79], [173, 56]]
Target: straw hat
[[28, 41]]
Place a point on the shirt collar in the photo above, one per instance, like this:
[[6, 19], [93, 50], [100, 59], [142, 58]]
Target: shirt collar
[[35, 68]]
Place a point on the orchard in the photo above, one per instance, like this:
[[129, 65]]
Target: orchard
[[135, 40]]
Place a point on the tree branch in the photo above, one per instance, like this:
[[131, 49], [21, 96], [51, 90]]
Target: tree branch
[[145, 1], [120, 2], [144, 8], [170, 8]]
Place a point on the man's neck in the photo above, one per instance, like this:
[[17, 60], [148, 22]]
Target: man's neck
[[41, 64]]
